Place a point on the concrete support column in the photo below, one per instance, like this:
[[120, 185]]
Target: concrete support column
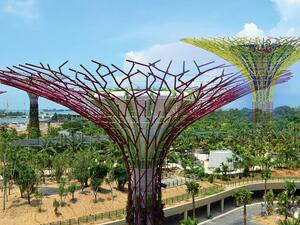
[[208, 210], [185, 214], [236, 202], [222, 205]]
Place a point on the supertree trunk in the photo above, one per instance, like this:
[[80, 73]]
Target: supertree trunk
[[145, 204], [143, 110], [33, 127], [262, 106]]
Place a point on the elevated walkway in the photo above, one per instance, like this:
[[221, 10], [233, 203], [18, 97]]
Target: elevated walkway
[[184, 206]]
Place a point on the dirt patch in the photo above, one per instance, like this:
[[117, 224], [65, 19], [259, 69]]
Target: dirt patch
[[19, 212], [268, 220], [286, 172]]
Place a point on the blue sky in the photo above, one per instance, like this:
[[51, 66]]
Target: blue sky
[[52, 31]]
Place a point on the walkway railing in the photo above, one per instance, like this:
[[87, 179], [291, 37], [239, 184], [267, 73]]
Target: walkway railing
[[119, 214], [174, 182], [239, 182]]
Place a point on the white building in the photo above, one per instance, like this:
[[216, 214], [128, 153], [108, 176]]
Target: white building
[[217, 157]]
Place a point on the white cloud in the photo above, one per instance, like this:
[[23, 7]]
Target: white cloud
[[288, 9], [289, 22], [25, 8], [179, 52], [251, 30], [176, 51]]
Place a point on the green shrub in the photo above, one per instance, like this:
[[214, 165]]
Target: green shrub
[[188, 221], [211, 178], [55, 205]]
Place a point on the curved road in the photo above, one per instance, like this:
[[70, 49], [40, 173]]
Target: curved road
[[235, 217], [231, 216]]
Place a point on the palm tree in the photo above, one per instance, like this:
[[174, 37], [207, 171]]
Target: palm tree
[[266, 172], [193, 189], [290, 188], [244, 197], [270, 197]]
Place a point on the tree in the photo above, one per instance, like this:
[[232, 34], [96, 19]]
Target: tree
[[109, 178], [71, 189], [119, 174], [62, 191], [59, 165], [95, 184], [8, 160], [98, 173], [39, 197], [266, 172], [211, 178], [270, 197], [4, 169], [81, 167], [290, 188], [224, 168], [286, 199], [193, 189], [41, 161], [73, 126], [244, 197], [26, 179], [55, 206], [283, 204], [189, 167]]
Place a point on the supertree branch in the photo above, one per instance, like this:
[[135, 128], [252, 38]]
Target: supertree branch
[[143, 109]]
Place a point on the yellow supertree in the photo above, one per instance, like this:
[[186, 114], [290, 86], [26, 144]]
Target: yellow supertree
[[262, 61]]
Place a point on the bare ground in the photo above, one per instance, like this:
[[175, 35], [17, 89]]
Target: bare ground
[[268, 220], [19, 212]]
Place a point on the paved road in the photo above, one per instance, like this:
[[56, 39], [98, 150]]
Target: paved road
[[236, 217]]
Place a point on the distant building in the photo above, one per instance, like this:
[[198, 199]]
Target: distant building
[[217, 157], [201, 157]]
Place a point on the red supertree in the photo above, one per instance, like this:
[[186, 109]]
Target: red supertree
[[142, 109]]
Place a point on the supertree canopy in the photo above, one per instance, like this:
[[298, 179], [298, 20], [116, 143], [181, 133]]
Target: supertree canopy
[[143, 109], [262, 61]]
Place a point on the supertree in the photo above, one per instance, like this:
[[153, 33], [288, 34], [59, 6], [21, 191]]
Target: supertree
[[143, 110], [33, 127], [262, 61]]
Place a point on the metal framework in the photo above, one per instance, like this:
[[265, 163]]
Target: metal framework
[[143, 110], [262, 61]]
